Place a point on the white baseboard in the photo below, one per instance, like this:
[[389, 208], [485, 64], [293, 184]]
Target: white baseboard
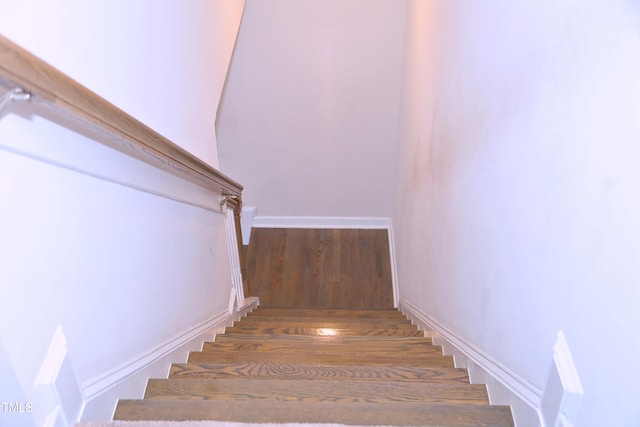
[[392, 257], [247, 306], [504, 386], [563, 393], [58, 392], [247, 215], [321, 222], [128, 380]]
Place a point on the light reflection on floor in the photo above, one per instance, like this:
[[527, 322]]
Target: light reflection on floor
[[327, 331]]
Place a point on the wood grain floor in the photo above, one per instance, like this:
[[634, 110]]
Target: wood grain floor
[[320, 268], [325, 346], [308, 366]]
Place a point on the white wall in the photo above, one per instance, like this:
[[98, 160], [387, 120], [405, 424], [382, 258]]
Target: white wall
[[159, 60], [308, 120], [517, 209], [95, 241]]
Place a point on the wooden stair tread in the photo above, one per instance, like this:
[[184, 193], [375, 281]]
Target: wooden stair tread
[[323, 320], [320, 268], [355, 343], [324, 330], [358, 367], [326, 313], [358, 322], [301, 346], [291, 371], [361, 413], [317, 390], [325, 358]]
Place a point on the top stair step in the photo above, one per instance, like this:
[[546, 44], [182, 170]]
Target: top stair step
[[324, 326], [339, 322], [301, 320], [327, 313], [324, 329]]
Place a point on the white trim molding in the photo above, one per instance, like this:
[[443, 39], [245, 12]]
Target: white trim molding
[[247, 215], [505, 387], [563, 394], [57, 385], [129, 379], [234, 256], [114, 167], [392, 258], [321, 222]]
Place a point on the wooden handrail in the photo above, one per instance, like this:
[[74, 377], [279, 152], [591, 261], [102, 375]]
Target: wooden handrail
[[68, 98]]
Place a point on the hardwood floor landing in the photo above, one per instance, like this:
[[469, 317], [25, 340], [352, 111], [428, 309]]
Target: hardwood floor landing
[[320, 268]]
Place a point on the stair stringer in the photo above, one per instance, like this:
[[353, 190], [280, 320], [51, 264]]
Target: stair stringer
[[504, 386], [129, 380]]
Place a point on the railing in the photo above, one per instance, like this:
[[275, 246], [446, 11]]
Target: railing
[[46, 85], [236, 250], [25, 77]]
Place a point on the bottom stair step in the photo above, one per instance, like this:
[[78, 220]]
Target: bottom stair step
[[390, 414], [317, 390]]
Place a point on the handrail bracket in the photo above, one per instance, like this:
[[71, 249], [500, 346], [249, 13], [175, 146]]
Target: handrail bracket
[[15, 94], [225, 198]]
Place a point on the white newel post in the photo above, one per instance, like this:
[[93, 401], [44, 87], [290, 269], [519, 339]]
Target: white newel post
[[234, 256]]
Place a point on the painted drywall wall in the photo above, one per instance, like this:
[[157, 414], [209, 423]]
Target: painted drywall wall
[[308, 120], [517, 209], [161, 61], [121, 270], [125, 257]]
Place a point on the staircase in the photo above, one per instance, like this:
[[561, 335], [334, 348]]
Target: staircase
[[357, 367]]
